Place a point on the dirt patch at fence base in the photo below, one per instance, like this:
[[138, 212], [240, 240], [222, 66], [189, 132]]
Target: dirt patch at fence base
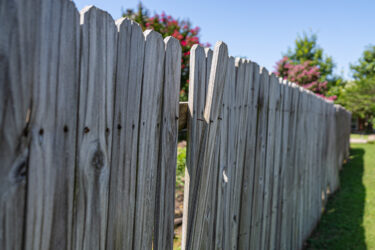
[[179, 204]]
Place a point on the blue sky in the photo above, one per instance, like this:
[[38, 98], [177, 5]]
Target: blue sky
[[263, 30]]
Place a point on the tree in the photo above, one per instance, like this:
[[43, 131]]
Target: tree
[[307, 66], [359, 95], [305, 74], [169, 26], [359, 98], [365, 68]]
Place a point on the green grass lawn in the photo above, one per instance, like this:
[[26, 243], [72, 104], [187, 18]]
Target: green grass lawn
[[349, 218]]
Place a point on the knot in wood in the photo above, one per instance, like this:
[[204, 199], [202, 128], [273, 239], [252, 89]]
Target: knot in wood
[[97, 161], [20, 172]]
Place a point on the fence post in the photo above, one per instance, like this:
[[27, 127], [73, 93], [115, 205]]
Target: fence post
[[122, 185], [166, 179], [95, 121], [206, 145]]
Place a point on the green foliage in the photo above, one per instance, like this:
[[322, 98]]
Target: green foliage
[[359, 98], [335, 85], [181, 164], [307, 49], [349, 218], [359, 95], [365, 68]]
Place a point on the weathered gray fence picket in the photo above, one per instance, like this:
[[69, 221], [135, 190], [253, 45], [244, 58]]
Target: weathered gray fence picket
[[256, 180], [88, 139]]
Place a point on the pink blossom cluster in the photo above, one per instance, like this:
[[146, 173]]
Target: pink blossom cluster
[[305, 74]]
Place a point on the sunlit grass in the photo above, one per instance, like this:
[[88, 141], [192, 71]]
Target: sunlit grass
[[349, 220]]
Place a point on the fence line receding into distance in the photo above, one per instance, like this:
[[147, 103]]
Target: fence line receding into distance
[[263, 155]]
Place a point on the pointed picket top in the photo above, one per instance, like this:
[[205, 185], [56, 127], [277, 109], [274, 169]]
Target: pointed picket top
[[217, 80]]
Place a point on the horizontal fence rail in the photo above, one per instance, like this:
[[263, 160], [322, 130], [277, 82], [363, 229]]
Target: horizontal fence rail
[[88, 136], [89, 120], [263, 155]]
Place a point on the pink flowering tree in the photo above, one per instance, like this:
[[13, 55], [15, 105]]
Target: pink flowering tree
[[169, 26], [305, 74], [306, 65]]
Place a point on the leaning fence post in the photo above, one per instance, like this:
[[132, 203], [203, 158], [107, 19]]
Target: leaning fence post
[[206, 145]]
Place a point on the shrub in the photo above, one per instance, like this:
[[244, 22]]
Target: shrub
[[305, 74], [169, 26], [306, 65], [181, 164]]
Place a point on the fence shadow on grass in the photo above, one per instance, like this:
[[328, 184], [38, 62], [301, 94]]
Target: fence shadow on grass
[[341, 224]]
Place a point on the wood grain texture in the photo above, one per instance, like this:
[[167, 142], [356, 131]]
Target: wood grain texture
[[241, 99], [197, 97], [53, 122], [209, 54], [166, 179], [17, 41], [211, 112], [209, 223], [89, 119], [260, 161], [283, 219], [149, 139], [94, 138], [223, 187], [295, 164], [270, 164], [265, 187], [284, 114], [122, 194], [274, 138], [249, 164]]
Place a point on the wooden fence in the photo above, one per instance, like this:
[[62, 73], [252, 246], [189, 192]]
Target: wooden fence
[[88, 129], [88, 139], [263, 154]]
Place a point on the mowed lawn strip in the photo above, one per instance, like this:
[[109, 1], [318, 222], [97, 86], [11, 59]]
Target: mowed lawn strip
[[349, 218]]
